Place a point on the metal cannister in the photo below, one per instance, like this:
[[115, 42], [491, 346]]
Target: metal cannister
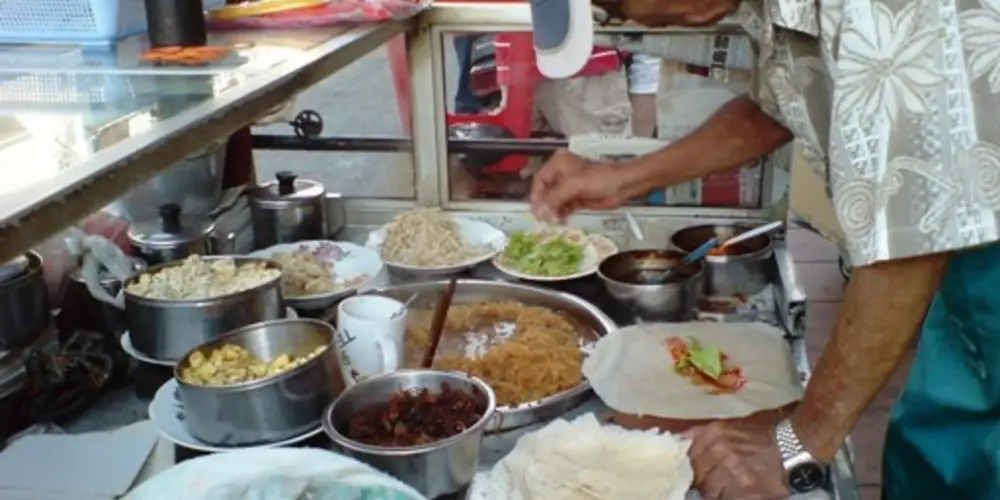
[[743, 271], [434, 469], [173, 236], [166, 330], [627, 278], [24, 301], [194, 183], [287, 210], [273, 408]]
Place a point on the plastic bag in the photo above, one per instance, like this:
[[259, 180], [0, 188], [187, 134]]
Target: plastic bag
[[333, 13], [96, 253], [62, 254], [273, 474]]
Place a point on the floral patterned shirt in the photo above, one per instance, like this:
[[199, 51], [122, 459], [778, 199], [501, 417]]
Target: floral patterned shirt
[[895, 103]]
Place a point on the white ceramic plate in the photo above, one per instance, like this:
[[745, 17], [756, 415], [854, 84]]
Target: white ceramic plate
[[597, 249], [130, 349], [167, 415], [354, 268], [473, 233]]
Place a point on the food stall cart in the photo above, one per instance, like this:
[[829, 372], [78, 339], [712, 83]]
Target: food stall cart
[[156, 117]]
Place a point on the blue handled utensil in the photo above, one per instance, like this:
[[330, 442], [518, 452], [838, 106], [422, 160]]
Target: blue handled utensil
[[706, 247]]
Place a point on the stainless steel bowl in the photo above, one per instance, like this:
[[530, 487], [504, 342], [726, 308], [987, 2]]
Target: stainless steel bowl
[[744, 271], [627, 275], [24, 304], [270, 409], [580, 311], [434, 469], [166, 330]]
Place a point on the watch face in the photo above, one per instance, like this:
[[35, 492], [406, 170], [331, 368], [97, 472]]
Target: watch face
[[806, 477]]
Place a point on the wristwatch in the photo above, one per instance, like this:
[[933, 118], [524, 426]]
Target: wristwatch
[[803, 473]]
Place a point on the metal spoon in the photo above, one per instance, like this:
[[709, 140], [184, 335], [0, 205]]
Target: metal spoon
[[757, 231], [706, 247]]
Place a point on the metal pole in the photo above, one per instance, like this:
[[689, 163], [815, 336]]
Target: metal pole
[[530, 147]]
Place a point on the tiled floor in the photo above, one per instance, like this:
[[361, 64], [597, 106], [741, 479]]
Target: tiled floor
[[819, 274]]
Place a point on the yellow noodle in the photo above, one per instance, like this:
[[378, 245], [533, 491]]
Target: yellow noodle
[[541, 358]]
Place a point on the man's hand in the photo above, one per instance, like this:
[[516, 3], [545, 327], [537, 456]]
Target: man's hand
[[737, 461], [567, 183], [656, 13]]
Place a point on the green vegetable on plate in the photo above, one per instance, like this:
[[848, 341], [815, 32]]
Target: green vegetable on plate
[[536, 255]]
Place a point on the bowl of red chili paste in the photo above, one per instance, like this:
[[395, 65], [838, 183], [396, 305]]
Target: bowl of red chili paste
[[424, 427]]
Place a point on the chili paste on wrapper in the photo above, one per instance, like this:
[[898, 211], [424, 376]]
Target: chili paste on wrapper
[[417, 417]]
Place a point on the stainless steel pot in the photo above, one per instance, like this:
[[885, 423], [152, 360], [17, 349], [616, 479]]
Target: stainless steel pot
[[626, 276], [744, 271], [174, 236], [434, 469], [166, 330], [24, 304], [274, 408], [287, 210], [195, 184]]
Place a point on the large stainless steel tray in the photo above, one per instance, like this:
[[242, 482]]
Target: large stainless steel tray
[[473, 290]]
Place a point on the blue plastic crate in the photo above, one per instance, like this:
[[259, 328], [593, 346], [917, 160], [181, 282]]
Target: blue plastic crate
[[85, 22]]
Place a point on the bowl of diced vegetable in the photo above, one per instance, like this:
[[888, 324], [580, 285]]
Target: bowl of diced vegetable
[[553, 254]]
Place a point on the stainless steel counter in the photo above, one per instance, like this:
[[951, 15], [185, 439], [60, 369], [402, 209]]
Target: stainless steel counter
[[78, 128]]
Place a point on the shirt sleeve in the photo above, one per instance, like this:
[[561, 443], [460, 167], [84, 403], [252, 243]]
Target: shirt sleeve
[[644, 75], [895, 105]]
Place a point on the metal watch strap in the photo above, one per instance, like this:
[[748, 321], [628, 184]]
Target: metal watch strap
[[788, 443]]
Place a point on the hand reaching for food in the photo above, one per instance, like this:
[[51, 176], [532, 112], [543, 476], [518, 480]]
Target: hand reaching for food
[[568, 183]]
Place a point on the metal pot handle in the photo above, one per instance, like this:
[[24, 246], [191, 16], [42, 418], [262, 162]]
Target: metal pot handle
[[91, 278], [495, 423], [227, 242]]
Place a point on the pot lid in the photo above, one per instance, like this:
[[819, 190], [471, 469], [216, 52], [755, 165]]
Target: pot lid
[[13, 268], [171, 230], [287, 189]]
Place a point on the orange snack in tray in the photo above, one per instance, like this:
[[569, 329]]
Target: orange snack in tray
[[186, 56]]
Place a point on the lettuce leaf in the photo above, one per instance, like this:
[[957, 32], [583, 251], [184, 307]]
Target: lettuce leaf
[[530, 254]]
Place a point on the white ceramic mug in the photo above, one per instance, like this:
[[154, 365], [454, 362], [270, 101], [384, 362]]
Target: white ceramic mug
[[370, 330]]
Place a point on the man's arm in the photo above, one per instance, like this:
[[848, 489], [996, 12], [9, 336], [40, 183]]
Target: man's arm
[[737, 133], [883, 308]]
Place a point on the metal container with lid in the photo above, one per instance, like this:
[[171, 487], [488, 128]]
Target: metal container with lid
[[287, 210], [173, 236], [14, 268], [24, 303], [742, 271]]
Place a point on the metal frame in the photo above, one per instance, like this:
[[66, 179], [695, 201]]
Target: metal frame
[[46, 208], [426, 58]]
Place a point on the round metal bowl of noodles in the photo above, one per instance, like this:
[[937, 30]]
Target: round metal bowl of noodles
[[527, 343], [431, 242], [317, 274]]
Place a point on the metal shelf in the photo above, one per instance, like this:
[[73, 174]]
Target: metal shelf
[[46, 206]]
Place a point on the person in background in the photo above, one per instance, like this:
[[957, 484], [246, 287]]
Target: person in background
[[466, 102], [614, 94], [643, 85], [894, 104]]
